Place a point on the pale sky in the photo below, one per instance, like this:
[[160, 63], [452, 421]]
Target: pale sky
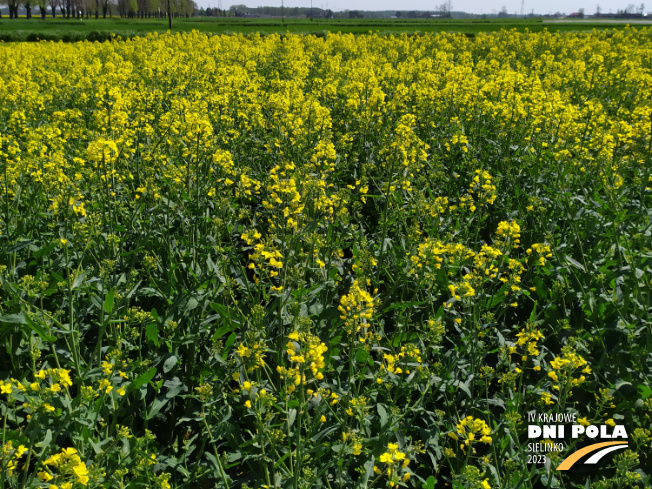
[[471, 6]]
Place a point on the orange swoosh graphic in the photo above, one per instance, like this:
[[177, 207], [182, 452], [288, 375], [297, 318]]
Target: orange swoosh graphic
[[570, 461]]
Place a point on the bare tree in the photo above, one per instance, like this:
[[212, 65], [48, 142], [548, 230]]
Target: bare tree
[[43, 7], [53, 5], [13, 9], [445, 8]]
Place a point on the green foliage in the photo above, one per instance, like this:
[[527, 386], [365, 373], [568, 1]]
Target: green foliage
[[66, 30]]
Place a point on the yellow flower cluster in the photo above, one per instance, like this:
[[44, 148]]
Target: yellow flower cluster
[[102, 151], [483, 189], [254, 355], [47, 384], [9, 456], [8, 386], [395, 462], [485, 262], [305, 350], [540, 250], [392, 455], [546, 398], [432, 254], [358, 405], [529, 339], [565, 368], [489, 263], [353, 439], [471, 430], [284, 195], [356, 308], [260, 395], [408, 358], [272, 258], [58, 377], [110, 364], [509, 231], [68, 464]]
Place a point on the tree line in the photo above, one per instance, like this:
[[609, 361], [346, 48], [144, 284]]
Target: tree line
[[104, 8]]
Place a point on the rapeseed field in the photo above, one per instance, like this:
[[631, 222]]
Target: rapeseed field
[[342, 261]]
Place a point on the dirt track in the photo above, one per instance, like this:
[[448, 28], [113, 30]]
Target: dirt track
[[600, 21]]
